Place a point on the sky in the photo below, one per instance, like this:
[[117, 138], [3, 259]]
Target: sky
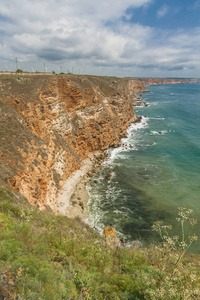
[[136, 38]]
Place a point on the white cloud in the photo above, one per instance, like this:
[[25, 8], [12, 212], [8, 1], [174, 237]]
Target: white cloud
[[68, 26], [46, 11], [90, 36], [162, 11]]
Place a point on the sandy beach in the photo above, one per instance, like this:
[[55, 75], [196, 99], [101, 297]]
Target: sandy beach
[[73, 198]]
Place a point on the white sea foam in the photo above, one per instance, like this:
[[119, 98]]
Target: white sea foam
[[157, 118], [127, 143], [150, 145], [154, 103], [159, 132], [120, 212]]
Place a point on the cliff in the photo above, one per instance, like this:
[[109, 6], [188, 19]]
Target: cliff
[[158, 81], [50, 123]]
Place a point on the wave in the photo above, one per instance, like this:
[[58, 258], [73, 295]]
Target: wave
[[157, 118], [160, 132], [127, 143], [153, 103]]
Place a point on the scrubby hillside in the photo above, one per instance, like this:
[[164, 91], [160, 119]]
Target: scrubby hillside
[[43, 256]]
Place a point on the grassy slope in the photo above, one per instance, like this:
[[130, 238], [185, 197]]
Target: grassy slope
[[43, 256]]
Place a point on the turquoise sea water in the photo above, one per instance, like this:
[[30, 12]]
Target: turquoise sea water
[[156, 170]]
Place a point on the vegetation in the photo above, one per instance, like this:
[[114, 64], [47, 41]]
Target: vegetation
[[19, 71], [43, 256]]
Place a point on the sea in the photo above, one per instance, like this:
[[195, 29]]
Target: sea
[[155, 171]]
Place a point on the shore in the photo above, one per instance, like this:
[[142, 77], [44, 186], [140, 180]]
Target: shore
[[73, 199]]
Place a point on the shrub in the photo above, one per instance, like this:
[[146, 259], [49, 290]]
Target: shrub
[[175, 279]]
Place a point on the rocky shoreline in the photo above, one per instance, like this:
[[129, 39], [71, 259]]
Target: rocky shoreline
[[73, 198], [53, 124]]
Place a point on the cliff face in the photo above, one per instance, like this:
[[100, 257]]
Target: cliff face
[[50, 124], [157, 81]]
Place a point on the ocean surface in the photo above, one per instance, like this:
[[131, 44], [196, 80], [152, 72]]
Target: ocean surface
[[155, 171]]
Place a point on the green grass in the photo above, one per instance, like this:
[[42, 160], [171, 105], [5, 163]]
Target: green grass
[[43, 256]]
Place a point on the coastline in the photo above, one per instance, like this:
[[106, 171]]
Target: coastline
[[73, 199]]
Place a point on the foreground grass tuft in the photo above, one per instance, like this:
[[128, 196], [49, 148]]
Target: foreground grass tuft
[[43, 256]]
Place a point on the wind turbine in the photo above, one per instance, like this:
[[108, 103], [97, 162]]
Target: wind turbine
[[45, 68], [16, 63]]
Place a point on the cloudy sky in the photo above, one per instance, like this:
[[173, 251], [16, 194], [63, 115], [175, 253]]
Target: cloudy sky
[[102, 37]]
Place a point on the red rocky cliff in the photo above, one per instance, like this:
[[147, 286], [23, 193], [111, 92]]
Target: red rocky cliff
[[50, 124]]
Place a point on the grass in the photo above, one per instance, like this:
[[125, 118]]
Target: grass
[[43, 256]]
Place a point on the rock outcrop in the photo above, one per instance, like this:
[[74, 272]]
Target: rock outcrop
[[50, 123]]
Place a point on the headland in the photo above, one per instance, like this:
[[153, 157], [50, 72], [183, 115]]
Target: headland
[[55, 130]]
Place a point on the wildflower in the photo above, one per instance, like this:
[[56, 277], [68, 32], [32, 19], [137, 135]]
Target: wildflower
[[176, 238], [192, 221], [193, 277], [157, 225], [183, 245], [20, 270], [193, 238]]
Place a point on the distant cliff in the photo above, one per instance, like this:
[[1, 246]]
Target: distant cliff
[[157, 81], [50, 123]]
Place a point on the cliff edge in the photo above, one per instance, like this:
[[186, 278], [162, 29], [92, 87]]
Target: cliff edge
[[158, 81], [50, 124]]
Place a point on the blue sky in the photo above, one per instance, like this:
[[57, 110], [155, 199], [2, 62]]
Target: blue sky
[[139, 38], [168, 14]]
